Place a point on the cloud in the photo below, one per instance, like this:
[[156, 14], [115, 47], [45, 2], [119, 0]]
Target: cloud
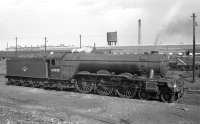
[[88, 3]]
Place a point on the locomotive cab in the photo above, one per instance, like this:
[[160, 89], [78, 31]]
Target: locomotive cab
[[54, 69]]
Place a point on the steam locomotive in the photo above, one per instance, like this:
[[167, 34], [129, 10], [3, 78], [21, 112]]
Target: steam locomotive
[[126, 76]]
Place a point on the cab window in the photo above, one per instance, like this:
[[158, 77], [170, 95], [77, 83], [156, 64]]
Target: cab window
[[53, 62]]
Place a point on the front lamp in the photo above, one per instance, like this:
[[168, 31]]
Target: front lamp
[[174, 86]]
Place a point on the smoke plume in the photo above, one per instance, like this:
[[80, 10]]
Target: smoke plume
[[178, 30], [179, 27]]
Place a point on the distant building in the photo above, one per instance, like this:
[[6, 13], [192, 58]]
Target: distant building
[[161, 49], [39, 48]]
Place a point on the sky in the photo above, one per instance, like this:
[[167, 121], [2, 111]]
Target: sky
[[62, 21]]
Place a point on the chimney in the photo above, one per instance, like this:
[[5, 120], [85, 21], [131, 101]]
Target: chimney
[[139, 32]]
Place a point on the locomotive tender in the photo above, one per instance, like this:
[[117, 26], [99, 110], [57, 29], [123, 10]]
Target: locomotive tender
[[123, 75]]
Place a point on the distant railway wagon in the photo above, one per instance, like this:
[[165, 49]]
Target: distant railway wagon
[[123, 75], [184, 63]]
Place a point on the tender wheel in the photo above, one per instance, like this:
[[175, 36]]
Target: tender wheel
[[84, 86], [10, 81], [127, 91], [144, 95], [103, 89], [60, 86], [36, 84], [44, 84], [26, 83], [19, 83]]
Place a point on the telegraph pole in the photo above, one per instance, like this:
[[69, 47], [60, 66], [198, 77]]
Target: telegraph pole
[[193, 64], [45, 44], [16, 39], [7, 50], [94, 48], [7, 47], [80, 40]]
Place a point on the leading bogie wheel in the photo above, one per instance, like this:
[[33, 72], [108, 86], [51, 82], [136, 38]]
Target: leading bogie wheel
[[166, 97]]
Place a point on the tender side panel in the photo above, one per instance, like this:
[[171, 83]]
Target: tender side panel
[[21, 67]]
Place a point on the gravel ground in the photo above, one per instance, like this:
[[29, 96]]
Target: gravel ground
[[23, 105]]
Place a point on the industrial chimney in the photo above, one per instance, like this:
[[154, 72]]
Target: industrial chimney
[[139, 32]]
